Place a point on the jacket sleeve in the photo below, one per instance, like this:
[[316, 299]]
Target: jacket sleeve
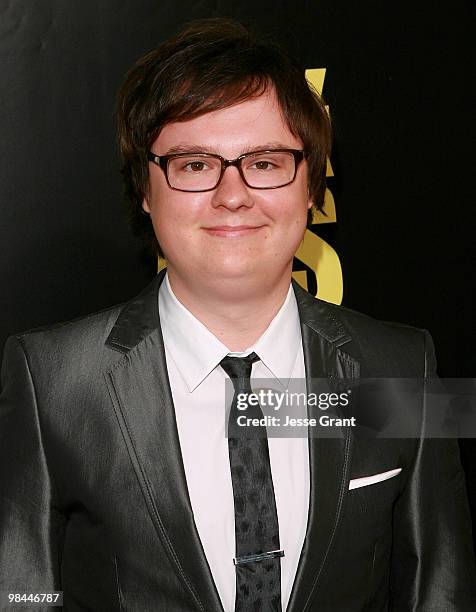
[[31, 527], [433, 566]]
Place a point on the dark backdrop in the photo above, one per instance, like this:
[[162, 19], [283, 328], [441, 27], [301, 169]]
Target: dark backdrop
[[397, 83]]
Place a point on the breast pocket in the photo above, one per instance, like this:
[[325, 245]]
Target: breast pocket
[[367, 481]]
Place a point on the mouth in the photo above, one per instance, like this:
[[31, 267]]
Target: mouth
[[232, 231]]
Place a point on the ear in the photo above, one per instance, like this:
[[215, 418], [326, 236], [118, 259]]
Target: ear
[[145, 206]]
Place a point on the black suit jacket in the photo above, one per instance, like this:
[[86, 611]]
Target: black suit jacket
[[94, 499]]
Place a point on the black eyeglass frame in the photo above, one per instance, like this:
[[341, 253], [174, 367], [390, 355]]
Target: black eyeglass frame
[[163, 162]]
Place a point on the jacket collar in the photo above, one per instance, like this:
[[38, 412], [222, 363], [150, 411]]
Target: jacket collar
[[137, 319], [140, 316], [320, 317]]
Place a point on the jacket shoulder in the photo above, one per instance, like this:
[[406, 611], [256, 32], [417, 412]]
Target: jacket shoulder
[[366, 324], [67, 350], [385, 348], [93, 327]]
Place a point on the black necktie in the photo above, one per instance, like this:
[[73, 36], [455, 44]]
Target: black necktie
[[257, 562]]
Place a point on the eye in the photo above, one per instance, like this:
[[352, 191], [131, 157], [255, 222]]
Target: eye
[[194, 166], [262, 165], [266, 162]]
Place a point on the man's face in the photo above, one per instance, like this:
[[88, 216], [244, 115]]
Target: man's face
[[233, 232]]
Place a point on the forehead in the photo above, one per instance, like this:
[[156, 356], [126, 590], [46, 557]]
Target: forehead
[[256, 122]]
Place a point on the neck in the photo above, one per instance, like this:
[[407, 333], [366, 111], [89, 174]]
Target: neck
[[237, 316]]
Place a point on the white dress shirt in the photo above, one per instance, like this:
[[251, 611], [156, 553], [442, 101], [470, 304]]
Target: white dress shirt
[[197, 381]]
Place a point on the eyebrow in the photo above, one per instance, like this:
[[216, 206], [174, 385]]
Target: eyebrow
[[185, 147]]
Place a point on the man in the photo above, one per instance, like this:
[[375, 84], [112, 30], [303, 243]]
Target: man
[[118, 484]]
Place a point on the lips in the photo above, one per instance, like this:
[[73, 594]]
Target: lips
[[232, 230]]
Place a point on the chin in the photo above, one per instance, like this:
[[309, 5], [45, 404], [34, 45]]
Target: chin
[[231, 272], [230, 268]]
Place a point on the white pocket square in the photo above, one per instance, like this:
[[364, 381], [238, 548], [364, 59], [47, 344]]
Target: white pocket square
[[370, 480]]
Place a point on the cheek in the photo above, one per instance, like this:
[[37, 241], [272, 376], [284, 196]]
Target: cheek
[[170, 207], [294, 215], [174, 217]]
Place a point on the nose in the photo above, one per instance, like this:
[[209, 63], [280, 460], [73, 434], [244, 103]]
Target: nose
[[232, 193]]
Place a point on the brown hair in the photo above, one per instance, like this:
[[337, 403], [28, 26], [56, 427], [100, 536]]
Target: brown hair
[[213, 64]]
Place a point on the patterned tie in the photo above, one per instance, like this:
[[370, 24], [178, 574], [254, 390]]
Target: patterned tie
[[257, 562]]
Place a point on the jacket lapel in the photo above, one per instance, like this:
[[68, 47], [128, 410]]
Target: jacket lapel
[[329, 458], [140, 391]]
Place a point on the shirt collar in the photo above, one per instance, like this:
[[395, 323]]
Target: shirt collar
[[196, 351], [277, 347]]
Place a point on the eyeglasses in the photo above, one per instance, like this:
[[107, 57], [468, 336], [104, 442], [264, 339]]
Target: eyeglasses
[[268, 169]]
